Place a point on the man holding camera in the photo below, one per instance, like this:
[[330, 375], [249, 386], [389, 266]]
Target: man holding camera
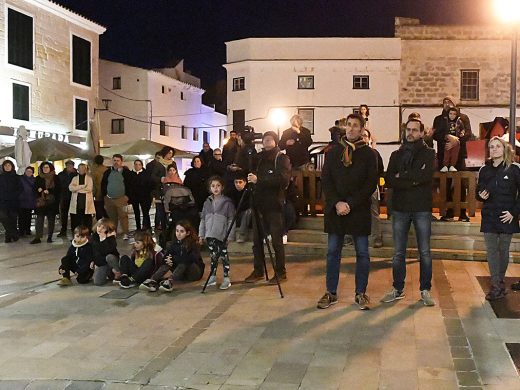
[[271, 178]]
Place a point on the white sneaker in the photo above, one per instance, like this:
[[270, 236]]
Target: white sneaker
[[453, 169], [444, 169], [226, 283], [240, 238], [212, 281], [126, 237], [284, 239], [427, 299]]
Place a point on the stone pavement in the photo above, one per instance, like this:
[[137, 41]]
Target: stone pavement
[[247, 337]]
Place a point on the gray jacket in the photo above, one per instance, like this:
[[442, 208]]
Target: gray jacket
[[216, 218]]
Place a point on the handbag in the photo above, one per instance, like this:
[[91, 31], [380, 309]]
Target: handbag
[[44, 200]]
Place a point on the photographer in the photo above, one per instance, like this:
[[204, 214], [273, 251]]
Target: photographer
[[246, 153], [272, 176]]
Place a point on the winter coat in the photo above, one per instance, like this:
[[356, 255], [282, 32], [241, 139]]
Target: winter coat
[[503, 185], [441, 126], [273, 178], [182, 255], [195, 179], [217, 167], [97, 172], [206, 156], [82, 255], [101, 249], [229, 151], [127, 178], [65, 178], [413, 187], [10, 190], [55, 192], [141, 187], [299, 151], [354, 184], [216, 218], [75, 188], [178, 196], [236, 195], [155, 171], [27, 197], [156, 257]]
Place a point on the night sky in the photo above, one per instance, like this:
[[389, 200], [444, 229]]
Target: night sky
[[154, 33]]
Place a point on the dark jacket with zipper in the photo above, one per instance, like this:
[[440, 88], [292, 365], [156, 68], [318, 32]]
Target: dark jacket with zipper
[[298, 152], [503, 185], [182, 255], [102, 249], [10, 190]]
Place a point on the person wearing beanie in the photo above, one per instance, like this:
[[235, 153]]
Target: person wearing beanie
[[271, 178], [296, 141]]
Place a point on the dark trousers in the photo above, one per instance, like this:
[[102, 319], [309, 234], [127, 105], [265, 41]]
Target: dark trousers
[[139, 274], [8, 218], [145, 208], [272, 223], [100, 209], [64, 215], [218, 251], [80, 220], [51, 220], [24, 221], [183, 272], [68, 265]]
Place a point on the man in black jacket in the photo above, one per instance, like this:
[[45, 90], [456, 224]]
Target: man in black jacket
[[296, 141], [410, 174], [65, 177], [349, 178], [272, 177]]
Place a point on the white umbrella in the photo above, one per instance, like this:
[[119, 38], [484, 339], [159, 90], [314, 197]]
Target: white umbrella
[[22, 151]]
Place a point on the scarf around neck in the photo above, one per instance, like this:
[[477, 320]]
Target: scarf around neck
[[408, 152], [49, 179], [349, 148]]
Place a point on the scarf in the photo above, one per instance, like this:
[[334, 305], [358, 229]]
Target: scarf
[[408, 151], [49, 179], [165, 162], [349, 148]]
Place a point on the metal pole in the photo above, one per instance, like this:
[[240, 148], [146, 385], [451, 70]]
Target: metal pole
[[512, 108]]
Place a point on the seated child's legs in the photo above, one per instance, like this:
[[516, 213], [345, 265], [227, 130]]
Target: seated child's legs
[[67, 265], [454, 154], [160, 273], [127, 265], [113, 262], [140, 274], [187, 273], [85, 276], [101, 274]]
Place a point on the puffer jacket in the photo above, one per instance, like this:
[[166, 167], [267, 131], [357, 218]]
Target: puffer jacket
[[217, 215]]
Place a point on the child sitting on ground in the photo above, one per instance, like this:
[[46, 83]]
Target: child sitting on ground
[[217, 216], [182, 261], [142, 264], [104, 246], [79, 259]]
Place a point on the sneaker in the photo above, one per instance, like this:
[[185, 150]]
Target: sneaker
[[148, 285], [126, 237], [254, 277], [444, 169], [494, 294], [452, 169], [464, 218], [392, 295], [378, 243], [327, 300], [127, 282], [212, 281], [166, 286], [427, 299], [284, 239], [62, 235], [446, 219], [362, 301], [240, 238], [281, 279], [226, 283], [49, 240], [516, 286], [64, 282], [36, 241]]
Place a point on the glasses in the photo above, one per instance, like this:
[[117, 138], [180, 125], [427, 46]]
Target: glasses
[[217, 154]]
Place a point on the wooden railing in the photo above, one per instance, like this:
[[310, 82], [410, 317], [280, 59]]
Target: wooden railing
[[455, 190]]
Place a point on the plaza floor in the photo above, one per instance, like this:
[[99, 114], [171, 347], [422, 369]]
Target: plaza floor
[[248, 337]]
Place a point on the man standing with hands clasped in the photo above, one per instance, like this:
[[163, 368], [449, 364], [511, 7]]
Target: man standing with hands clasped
[[348, 177], [410, 174]]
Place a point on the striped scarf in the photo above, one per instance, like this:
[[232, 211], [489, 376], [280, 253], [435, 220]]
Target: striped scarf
[[349, 148]]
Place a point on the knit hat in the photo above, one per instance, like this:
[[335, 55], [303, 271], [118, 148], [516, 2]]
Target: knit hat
[[272, 134], [69, 162]]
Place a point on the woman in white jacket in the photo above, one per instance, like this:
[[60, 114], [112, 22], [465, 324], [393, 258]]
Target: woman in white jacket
[[82, 201]]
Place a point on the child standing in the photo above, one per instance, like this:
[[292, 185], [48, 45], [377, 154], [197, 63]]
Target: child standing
[[79, 259], [451, 149], [104, 246], [217, 216], [182, 261]]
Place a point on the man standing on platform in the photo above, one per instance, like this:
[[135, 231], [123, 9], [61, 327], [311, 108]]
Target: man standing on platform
[[410, 175], [65, 177]]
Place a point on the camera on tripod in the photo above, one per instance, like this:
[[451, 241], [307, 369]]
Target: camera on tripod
[[248, 135]]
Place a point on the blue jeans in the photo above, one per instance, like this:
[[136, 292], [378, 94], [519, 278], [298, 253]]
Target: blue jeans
[[335, 245], [401, 226]]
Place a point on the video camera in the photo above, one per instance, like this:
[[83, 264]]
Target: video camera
[[248, 135]]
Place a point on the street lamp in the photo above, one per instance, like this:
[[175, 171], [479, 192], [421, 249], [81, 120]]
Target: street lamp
[[278, 118], [509, 12]]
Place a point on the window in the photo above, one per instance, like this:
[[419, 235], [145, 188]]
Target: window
[[469, 84], [81, 61], [182, 96], [222, 136], [361, 82], [239, 120], [239, 84], [307, 115], [116, 83], [162, 89], [195, 134], [162, 128], [118, 126], [184, 132], [20, 102], [305, 82], [80, 114], [205, 137], [20, 39]]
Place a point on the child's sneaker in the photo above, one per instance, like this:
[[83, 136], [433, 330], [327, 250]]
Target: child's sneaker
[[64, 282], [226, 283], [444, 169], [452, 169], [148, 285], [166, 286], [212, 280], [127, 282]]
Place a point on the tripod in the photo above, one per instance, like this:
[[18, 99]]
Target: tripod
[[260, 228]]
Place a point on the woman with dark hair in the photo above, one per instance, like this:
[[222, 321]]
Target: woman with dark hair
[[141, 195], [364, 111], [11, 188], [27, 202], [195, 179], [156, 169], [47, 188]]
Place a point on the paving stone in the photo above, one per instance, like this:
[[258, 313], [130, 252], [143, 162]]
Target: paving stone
[[458, 341], [464, 364], [287, 373], [85, 385], [47, 385], [468, 378], [461, 352], [13, 384]]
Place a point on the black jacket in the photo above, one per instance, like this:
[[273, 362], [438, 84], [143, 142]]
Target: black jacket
[[196, 180], [55, 192], [82, 256], [441, 126], [273, 170], [10, 190], [181, 255], [102, 249], [65, 178], [155, 171], [217, 167], [127, 179], [141, 187], [354, 184], [229, 152], [503, 185], [412, 189], [298, 152]]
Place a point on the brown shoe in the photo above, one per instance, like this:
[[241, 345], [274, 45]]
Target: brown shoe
[[254, 277], [281, 279]]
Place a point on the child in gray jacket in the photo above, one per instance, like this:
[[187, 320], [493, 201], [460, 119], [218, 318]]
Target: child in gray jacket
[[217, 216]]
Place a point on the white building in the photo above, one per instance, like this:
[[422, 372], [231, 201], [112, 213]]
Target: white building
[[163, 105], [322, 79], [48, 71]]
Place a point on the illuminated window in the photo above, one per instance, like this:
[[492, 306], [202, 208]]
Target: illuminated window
[[305, 82], [469, 84]]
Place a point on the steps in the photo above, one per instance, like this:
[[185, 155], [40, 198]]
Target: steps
[[449, 241]]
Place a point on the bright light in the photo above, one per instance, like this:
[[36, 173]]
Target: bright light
[[143, 157], [278, 117], [507, 10]]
